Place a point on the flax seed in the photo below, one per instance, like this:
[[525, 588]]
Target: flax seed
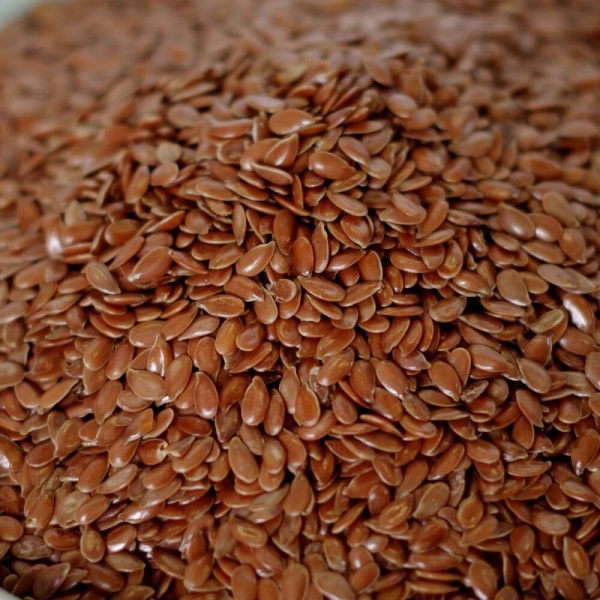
[[315, 317]]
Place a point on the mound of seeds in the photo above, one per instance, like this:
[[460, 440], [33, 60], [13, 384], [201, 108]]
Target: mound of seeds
[[299, 300]]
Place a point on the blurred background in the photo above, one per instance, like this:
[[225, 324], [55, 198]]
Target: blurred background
[[10, 9]]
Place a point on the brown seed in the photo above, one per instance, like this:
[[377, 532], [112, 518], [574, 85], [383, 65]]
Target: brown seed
[[584, 450], [516, 222], [242, 462], [290, 120], [100, 278], [295, 582], [483, 580], [446, 379], [406, 211], [314, 317], [283, 153], [333, 586], [224, 306], [530, 406], [255, 403], [97, 353], [152, 266], [567, 586], [449, 309], [592, 368], [522, 542], [11, 374], [244, 583], [401, 105], [576, 558], [307, 408], [330, 166], [92, 545], [550, 523], [392, 378], [48, 580], [146, 384], [10, 529], [482, 451], [254, 261], [512, 287], [56, 393], [487, 359]]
